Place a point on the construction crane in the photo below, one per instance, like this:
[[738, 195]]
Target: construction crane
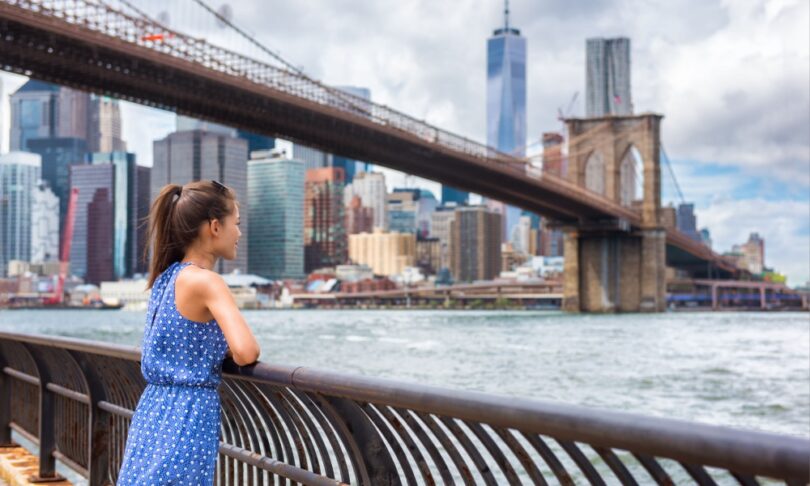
[[58, 296], [562, 115]]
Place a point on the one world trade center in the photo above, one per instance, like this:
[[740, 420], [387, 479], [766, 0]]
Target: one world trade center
[[506, 103]]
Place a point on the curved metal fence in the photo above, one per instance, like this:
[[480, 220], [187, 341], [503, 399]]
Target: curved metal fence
[[290, 425]]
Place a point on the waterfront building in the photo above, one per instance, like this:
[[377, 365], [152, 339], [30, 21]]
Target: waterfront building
[[352, 273], [476, 244], [183, 157], [752, 254], [324, 219], [276, 202], [608, 77], [20, 174], [133, 294], [44, 224], [387, 253]]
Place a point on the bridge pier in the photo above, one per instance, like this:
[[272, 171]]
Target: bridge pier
[[611, 266], [615, 271]]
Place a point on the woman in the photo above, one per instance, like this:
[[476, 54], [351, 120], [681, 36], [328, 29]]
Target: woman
[[192, 324]]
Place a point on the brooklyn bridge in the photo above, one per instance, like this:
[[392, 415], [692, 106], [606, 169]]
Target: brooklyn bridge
[[617, 247]]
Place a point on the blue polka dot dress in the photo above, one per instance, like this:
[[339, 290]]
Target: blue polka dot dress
[[174, 434]]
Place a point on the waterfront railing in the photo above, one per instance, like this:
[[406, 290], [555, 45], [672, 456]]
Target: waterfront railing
[[73, 399]]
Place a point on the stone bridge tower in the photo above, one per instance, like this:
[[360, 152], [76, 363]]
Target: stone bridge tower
[[609, 265]]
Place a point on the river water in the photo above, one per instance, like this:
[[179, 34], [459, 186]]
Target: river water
[[746, 370]]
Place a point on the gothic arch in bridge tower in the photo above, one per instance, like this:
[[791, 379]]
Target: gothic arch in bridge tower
[[595, 173], [631, 177], [624, 143]]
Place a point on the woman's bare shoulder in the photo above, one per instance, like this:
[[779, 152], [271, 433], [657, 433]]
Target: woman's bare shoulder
[[199, 281]]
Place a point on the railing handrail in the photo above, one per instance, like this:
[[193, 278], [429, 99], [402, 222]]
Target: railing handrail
[[755, 452]]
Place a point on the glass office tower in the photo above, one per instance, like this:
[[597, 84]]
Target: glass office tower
[[506, 103]]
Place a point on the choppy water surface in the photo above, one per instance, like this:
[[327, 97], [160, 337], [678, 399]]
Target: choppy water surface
[[749, 370]]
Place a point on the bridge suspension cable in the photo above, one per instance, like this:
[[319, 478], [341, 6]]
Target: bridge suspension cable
[[672, 173]]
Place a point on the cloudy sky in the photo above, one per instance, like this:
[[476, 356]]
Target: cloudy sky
[[731, 77]]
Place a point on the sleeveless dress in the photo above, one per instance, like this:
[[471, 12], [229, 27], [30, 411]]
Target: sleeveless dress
[[174, 435]]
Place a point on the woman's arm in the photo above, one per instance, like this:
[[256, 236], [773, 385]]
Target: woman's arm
[[218, 299]]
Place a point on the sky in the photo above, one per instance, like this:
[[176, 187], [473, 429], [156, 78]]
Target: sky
[[732, 79]]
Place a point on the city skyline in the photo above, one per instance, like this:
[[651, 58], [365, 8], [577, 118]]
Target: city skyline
[[763, 180]]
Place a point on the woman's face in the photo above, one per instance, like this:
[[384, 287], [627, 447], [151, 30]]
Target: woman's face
[[227, 241]]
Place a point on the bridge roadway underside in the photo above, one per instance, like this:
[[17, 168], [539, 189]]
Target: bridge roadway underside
[[44, 48]]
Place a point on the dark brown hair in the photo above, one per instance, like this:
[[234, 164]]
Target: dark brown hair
[[175, 219]]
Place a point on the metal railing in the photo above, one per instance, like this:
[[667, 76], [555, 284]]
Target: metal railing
[[286, 425]]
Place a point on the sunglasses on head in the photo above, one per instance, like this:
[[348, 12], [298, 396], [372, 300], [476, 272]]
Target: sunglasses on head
[[221, 187]]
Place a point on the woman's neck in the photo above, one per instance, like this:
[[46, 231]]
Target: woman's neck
[[200, 258]]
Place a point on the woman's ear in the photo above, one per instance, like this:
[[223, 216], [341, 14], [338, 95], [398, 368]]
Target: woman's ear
[[214, 226]]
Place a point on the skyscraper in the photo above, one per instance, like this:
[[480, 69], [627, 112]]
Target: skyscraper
[[352, 167], [45, 110], [44, 225], [506, 103], [687, 221], [359, 218], [194, 155], [58, 154], [104, 125], [608, 77], [19, 177], [276, 205], [101, 236], [127, 211], [440, 227], [403, 209], [96, 184], [370, 186], [476, 244], [255, 141], [140, 263], [325, 243]]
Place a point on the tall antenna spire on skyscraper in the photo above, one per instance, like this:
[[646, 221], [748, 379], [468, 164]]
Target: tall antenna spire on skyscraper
[[506, 15]]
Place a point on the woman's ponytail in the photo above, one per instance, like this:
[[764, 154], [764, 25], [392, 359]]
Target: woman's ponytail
[[162, 243]]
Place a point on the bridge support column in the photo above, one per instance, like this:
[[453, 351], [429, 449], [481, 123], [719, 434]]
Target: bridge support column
[[615, 271]]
